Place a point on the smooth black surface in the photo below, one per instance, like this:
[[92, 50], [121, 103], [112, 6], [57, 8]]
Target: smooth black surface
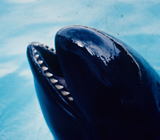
[[116, 92]]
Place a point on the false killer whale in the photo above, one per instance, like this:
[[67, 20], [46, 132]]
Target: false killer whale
[[94, 87]]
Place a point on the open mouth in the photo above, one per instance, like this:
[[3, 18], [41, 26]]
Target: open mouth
[[45, 62]]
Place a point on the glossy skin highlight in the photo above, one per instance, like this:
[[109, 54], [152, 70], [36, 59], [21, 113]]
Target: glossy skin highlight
[[116, 93]]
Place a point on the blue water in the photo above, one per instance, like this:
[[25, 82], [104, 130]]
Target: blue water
[[136, 22]]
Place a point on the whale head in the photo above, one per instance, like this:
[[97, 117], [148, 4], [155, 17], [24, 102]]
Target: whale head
[[94, 87]]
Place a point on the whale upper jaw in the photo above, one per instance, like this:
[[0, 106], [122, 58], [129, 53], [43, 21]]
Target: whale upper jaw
[[97, 69]]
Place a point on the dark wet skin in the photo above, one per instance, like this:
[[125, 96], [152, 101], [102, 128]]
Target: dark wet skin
[[94, 87]]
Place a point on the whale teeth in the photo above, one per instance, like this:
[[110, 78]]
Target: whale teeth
[[48, 74], [42, 45], [51, 49], [40, 61], [70, 98], [35, 43], [53, 80], [36, 56], [34, 51], [59, 86], [46, 46], [65, 93], [44, 68]]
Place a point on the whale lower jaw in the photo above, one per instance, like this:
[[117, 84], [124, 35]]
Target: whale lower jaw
[[47, 66]]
